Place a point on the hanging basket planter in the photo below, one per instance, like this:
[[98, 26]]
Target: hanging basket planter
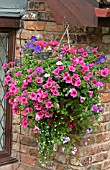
[[57, 96]]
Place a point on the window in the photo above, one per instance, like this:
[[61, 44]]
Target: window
[[7, 52]]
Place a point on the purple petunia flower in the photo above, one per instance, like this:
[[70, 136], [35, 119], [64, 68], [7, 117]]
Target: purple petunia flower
[[101, 59], [39, 70], [95, 108], [33, 38], [30, 45], [37, 49]]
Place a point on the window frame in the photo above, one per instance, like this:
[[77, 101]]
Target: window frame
[[9, 25]]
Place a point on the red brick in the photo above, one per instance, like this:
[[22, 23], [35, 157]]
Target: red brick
[[53, 27], [34, 25], [25, 158], [105, 97]]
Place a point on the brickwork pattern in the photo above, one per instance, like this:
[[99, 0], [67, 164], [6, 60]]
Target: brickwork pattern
[[94, 151]]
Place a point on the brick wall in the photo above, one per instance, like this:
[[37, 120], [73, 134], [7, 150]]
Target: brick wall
[[94, 151]]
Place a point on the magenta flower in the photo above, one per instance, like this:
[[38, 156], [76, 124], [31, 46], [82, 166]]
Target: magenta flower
[[8, 78], [84, 54], [71, 68], [82, 99], [47, 114], [24, 122], [90, 93], [81, 50], [24, 100], [29, 70], [65, 75], [29, 79], [90, 74], [18, 74], [12, 63], [5, 65], [39, 80], [40, 99], [86, 78], [11, 100], [73, 92], [33, 96], [55, 92], [61, 68], [68, 79], [15, 110], [24, 85], [104, 72], [48, 105], [77, 83], [39, 116], [36, 129], [56, 71], [100, 84], [24, 92], [76, 76], [26, 111], [42, 43], [37, 106], [53, 43], [39, 70], [94, 50]]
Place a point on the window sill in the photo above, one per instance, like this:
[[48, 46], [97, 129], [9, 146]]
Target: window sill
[[7, 160]]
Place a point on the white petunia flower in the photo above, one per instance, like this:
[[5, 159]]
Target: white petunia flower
[[46, 75], [59, 63]]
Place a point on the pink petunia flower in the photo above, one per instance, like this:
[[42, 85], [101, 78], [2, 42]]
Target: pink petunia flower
[[77, 83], [104, 72], [90, 74], [18, 74], [71, 68], [33, 96], [24, 100], [8, 78], [5, 65], [38, 106], [47, 114], [24, 122], [73, 92], [82, 99], [65, 75], [56, 71], [39, 80], [29, 79], [86, 78], [15, 110], [55, 92], [39, 116], [24, 85], [11, 101], [90, 93], [36, 129], [48, 105], [68, 79], [84, 54], [29, 70]]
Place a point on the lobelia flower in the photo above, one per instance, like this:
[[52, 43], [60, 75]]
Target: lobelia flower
[[73, 150], [89, 130], [65, 140]]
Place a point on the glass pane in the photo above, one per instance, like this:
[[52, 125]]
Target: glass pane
[[3, 59]]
